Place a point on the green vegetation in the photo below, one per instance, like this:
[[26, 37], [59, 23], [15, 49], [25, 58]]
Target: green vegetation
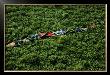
[[82, 51]]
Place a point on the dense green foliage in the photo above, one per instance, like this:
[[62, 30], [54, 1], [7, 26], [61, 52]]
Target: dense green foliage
[[78, 52]]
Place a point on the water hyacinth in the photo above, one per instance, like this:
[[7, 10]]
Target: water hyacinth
[[75, 47]]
